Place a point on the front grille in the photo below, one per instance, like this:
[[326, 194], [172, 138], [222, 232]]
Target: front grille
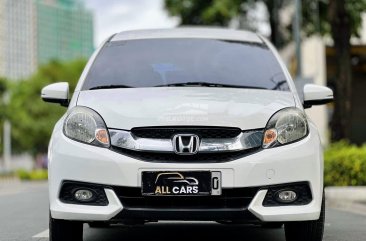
[[237, 198], [172, 157], [202, 132]]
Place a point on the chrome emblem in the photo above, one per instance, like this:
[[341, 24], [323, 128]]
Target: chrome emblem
[[186, 144]]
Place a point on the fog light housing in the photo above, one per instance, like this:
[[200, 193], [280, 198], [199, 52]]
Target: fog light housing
[[84, 195], [286, 196]]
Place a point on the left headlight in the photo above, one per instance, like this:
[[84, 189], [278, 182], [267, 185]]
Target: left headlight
[[87, 126], [286, 126]]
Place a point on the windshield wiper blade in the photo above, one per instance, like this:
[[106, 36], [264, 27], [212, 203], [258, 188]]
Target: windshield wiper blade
[[187, 84], [207, 84], [110, 87]]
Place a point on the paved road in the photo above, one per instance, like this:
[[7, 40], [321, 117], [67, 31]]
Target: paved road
[[24, 217]]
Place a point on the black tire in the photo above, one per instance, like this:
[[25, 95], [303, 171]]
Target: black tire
[[306, 230], [272, 225], [230, 222], [62, 230], [99, 225]]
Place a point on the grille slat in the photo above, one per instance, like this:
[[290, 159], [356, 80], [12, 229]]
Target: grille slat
[[172, 157], [202, 132]]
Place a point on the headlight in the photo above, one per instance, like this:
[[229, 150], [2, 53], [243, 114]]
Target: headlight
[[286, 126], [85, 125]]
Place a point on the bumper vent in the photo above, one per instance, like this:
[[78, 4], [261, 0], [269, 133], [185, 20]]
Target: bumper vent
[[69, 188], [302, 189]]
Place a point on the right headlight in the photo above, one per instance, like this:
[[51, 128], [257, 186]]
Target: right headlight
[[286, 126], [85, 125]]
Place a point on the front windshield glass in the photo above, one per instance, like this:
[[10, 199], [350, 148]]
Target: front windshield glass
[[165, 62]]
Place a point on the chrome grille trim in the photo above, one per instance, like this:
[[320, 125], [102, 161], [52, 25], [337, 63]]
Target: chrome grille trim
[[245, 140]]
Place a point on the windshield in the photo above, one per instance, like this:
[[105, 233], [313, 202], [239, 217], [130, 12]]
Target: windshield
[[174, 62]]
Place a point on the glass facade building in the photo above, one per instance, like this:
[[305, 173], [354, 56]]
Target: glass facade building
[[33, 32]]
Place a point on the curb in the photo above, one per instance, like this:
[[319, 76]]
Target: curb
[[350, 199], [9, 180]]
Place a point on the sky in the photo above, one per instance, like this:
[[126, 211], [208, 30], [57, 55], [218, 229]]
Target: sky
[[112, 16]]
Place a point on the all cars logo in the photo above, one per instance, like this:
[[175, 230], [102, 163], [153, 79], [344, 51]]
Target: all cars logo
[[175, 183]]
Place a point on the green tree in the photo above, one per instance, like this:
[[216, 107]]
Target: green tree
[[345, 19], [339, 19], [222, 12], [32, 119], [3, 88]]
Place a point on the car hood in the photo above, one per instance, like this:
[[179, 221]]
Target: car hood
[[188, 106]]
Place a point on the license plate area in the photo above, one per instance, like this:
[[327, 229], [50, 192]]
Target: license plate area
[[181, 183]]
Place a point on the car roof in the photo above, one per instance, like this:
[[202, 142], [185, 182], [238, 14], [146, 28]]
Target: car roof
[[207, 33]]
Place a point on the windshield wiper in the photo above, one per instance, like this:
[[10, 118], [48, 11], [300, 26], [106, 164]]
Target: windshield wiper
[[207, 84], [110, 87]]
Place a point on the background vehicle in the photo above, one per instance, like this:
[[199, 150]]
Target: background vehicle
[[208, 105]]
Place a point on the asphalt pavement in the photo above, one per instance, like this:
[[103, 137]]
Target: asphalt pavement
[[24, 217]]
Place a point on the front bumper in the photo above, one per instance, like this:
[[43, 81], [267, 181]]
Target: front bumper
[[298, 162]]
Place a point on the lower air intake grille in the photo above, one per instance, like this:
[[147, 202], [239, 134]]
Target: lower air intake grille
[[237, 198]]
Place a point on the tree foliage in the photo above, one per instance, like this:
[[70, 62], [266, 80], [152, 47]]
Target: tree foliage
[[207, 12], [223, 12], [339, 19], [32, 119], [3, 88], [317, 14]]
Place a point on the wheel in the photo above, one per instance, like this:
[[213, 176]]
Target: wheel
[[306, 230], [62, 230], [99, 225], [272, 225]]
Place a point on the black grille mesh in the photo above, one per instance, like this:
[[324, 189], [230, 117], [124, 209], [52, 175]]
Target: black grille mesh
[[202, 132], [238, 198]]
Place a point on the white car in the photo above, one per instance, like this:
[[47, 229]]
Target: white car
[[186, 124]]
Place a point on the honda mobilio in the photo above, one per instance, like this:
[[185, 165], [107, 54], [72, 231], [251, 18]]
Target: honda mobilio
[[188, 124]]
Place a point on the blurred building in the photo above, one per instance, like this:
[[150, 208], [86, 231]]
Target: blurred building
[[33, 32]]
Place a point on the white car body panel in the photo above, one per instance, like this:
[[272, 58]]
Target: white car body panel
[[86, 212], [316, 92], [56, 91], [208, 33], [199, 106], [288, 214]]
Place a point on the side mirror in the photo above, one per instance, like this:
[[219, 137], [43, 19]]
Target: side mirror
[[317, 95], [56, 93]]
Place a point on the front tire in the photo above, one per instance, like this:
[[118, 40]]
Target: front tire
[[62, 230], [306, 230], [99, 225], [273, 225]]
